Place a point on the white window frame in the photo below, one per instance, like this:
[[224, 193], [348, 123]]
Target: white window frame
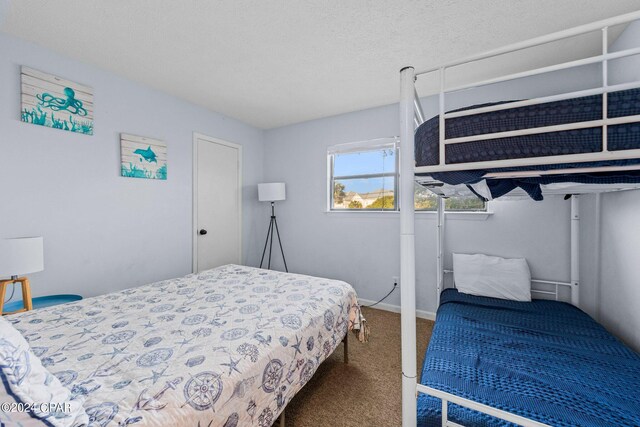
[[373, 145], [361, 146]]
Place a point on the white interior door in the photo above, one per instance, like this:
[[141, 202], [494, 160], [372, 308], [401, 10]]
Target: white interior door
[[217, 203]]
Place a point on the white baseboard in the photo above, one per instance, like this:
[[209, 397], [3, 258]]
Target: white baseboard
[[422, 314]]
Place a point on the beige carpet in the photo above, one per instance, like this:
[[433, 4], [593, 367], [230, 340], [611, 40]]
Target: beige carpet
[[365, 392]]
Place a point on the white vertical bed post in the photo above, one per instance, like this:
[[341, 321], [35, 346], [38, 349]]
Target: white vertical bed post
[[441, 157], [407, 248], [440, 250], [575, 250], [605, 87], [441, 120]]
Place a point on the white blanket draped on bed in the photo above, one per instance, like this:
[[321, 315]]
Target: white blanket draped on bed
[[229, 346]]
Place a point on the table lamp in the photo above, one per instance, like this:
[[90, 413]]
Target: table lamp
[[18, 257], [272, 192]]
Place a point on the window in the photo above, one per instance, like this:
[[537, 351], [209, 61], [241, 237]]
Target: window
[[364, 176], [425, 200]]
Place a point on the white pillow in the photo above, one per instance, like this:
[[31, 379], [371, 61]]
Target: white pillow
[[492, 276], [26, 381]]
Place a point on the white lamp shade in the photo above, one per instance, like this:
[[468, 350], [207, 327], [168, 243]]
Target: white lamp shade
[[21, 256], [271, 192]]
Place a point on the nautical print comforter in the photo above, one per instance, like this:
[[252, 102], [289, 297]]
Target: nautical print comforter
[[225, 347]]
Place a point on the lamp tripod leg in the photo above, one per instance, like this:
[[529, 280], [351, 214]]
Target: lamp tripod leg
[[264, 251], [271, 242], [280, 243]]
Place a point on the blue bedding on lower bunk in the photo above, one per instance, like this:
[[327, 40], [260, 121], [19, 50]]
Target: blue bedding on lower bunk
[[620, 137], [544, 360]]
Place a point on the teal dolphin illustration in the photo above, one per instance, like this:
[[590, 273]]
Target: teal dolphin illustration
[[147, 155]]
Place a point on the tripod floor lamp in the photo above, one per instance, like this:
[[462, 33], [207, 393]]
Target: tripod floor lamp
[[272, 192]]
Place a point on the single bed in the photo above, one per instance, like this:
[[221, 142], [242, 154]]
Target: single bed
[[229, 346], [545, 360], [578, 141]]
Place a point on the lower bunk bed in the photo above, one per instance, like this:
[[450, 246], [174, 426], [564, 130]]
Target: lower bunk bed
[[544, 360]]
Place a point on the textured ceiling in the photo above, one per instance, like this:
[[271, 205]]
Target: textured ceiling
[[272, 63]]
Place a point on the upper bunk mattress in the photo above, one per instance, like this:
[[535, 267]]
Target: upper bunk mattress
[[579, 141], [589, 140], [543, 360]]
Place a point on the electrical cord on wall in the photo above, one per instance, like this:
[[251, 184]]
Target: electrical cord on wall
[[395, 285], [13, 291]]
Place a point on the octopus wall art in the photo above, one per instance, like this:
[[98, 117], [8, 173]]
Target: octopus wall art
[[53, 102]]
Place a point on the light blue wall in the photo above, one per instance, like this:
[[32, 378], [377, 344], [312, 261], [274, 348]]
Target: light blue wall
[[103, 232], [626, 69], [620, 232], [363, 248]]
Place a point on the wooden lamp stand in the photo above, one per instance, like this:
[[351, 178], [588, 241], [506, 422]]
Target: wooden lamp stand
[[26, 294]]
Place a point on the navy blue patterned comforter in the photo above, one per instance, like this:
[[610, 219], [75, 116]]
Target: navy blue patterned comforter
[[620, 137], [543, 360]]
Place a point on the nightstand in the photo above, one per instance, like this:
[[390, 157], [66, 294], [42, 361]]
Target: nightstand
[[42, 302], [27, 303]]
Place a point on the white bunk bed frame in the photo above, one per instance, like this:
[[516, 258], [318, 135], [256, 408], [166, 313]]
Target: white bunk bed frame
[[411, 116]]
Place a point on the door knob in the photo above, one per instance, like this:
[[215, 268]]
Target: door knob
[[203, 232]]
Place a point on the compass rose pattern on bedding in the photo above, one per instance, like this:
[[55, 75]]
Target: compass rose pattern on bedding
[[229, 346]]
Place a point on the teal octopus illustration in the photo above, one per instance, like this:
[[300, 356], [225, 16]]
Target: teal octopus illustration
[[147, 155], [71, 104]]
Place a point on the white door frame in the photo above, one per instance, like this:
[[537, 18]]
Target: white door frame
[[198, 136]]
